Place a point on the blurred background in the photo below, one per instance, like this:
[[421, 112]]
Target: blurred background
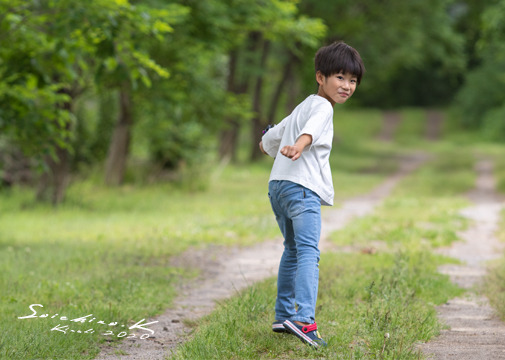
[[141, 120], [156, 90]]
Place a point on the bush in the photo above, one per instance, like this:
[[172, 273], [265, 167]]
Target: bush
[[493, 124], [483, 91]]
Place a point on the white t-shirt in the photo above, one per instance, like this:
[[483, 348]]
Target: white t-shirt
[[314, 116]]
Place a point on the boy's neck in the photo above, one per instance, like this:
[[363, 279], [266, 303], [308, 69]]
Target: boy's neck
[[321, 94]]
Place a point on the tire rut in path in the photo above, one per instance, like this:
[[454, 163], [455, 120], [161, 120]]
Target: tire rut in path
[[228, 270], [475, 332]]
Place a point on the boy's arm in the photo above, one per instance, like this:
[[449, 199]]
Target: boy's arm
[[271, 140], [295, 151], [261, 148]]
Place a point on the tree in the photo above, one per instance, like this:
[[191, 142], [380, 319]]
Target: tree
[[38, 83], [258, 27], [397, 40], [49, 54], [480, 103], [127, 63]]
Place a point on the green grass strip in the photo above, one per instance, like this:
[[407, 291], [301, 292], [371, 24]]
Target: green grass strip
[[376, 306], [369, 307]]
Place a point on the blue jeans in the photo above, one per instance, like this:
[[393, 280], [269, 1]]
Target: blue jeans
[[298, 213]]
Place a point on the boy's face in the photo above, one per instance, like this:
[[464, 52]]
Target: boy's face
[[336, 88]]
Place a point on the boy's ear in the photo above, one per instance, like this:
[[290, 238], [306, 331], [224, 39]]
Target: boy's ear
[[320, 77]]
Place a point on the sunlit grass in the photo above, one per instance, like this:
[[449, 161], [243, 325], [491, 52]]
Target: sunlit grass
[[108, 251], [155, 215], [495, 280], [500, 173], [423, 209], [369, 307], [412, 128], [363, 297], [358, 161]]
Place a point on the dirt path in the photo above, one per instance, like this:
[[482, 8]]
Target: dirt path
[[475, 332], [434, 121], [390, 122], [228, 270]]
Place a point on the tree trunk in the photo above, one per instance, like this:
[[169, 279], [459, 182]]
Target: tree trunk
[[120, 143], [228, 141], [54, 181], [293, 87], [229, 134], [274, 103], [108, 110], [257, 123], [286, 76], [293, 93]]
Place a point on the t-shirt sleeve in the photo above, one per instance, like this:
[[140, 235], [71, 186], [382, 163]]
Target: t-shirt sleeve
[[272, 139], [318, 124]]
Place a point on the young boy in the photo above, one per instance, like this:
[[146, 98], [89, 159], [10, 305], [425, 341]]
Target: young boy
[[300, 182]]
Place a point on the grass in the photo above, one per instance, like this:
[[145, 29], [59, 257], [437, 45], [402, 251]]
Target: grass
[[412, 126], [357, 163], [108, 252], [494, 286], [422, 210], [500, 173], [370, 306]]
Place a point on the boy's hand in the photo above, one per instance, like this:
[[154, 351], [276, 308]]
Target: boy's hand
[[292, 152], [295, 151]]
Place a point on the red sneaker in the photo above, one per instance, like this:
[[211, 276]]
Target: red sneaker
[[307, 333]]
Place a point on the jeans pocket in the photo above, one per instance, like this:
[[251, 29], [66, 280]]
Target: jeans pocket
[[289, 188], [293, 202]]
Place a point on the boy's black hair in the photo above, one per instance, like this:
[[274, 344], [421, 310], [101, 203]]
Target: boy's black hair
[[339, 57]]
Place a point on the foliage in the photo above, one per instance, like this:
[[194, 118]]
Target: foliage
[[179, 118], [407, 46], [480, 103], [477, 97], [29, 98], [61, 65], [493, 126], [50, 52]]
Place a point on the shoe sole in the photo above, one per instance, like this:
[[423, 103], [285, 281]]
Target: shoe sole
[[289, 326], [279, 328]]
